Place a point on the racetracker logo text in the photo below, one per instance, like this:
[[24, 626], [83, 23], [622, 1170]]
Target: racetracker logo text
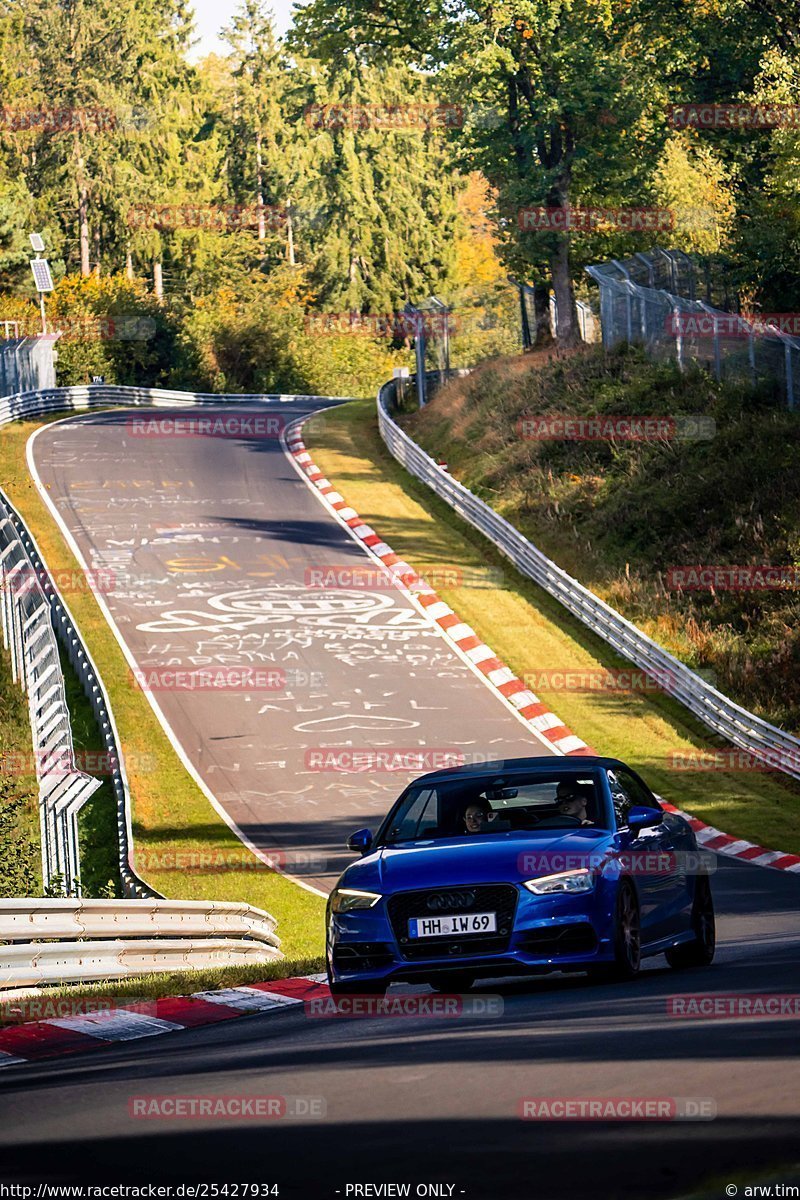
[[566, 427], [720, 1007], [617, 1108], [537, 217], [252, 426], [209, 679], [758, 578], [443, 1006], [226, 1108], [349, 760]]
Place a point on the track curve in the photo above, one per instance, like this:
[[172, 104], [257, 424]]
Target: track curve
[[206, 550], [407, 1100]]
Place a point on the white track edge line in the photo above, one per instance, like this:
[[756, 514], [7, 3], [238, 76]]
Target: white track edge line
[[169, 732]]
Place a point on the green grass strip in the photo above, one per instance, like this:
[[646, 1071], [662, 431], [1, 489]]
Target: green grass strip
[[532, 633], [173, 822]]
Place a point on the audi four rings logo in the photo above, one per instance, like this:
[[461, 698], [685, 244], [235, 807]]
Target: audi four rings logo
[[444, 900]]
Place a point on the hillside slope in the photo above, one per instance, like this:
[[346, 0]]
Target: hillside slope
[[627, 517]]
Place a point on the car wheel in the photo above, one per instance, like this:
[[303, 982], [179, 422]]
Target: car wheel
[[700, 952], [627, 938], [453, 984]]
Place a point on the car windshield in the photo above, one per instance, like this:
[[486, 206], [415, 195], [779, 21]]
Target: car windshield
[[485, 807]]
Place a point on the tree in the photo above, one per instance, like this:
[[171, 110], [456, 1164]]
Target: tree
[[550, 72], [383, 198], [261, 138]]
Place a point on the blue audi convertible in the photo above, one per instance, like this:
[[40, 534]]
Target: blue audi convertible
[[520, 866]]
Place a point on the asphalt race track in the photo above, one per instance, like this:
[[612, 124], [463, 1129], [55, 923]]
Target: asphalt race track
[[203, 549], [419, 1100], [405, 1100]]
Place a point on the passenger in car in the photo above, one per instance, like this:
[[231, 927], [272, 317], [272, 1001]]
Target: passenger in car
[[571, 802]]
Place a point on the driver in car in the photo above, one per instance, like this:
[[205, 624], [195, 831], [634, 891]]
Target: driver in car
[[477, 816], [571, 802]]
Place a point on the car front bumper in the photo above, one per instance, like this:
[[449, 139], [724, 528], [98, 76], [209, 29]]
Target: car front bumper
[[549, 933]]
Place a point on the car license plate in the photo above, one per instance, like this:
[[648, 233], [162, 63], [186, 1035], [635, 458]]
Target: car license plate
[[419, 927]]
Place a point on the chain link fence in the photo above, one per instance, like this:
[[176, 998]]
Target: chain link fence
[[654, 300], [429, 323], [588, 327]]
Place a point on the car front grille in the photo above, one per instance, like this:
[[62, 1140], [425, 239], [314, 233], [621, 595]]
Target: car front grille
[[500, 898]]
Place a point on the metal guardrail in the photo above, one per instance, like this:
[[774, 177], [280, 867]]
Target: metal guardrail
[[60, 799], [26, 920], [29, 635], [127, 937], [83, 962], [740, 727]]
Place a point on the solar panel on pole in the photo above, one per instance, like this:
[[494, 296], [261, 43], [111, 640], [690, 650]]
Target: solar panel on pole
[[37, 242], [41, 274]]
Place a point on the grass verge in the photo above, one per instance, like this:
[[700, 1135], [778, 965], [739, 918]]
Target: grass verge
[[20, 841], [634, 518], [534, 634], [173, 822]]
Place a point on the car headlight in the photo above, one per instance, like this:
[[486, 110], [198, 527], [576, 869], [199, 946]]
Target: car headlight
[[569, 882], [344, 900]]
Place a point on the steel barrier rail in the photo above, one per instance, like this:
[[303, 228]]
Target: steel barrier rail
[[78, 962], [60, 841], [29, 636], [61, 837], [743, 729], [24, 920]]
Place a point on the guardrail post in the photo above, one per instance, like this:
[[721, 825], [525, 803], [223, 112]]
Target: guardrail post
[[789, 376]]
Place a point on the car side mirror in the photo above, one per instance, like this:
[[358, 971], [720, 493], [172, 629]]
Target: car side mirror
[[640, 817], [360, 841]]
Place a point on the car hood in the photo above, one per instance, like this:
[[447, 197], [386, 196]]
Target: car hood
[[489, 859]]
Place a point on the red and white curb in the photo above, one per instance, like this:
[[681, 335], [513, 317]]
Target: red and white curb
[[496, 674], [57, 1035], [722, 843]]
